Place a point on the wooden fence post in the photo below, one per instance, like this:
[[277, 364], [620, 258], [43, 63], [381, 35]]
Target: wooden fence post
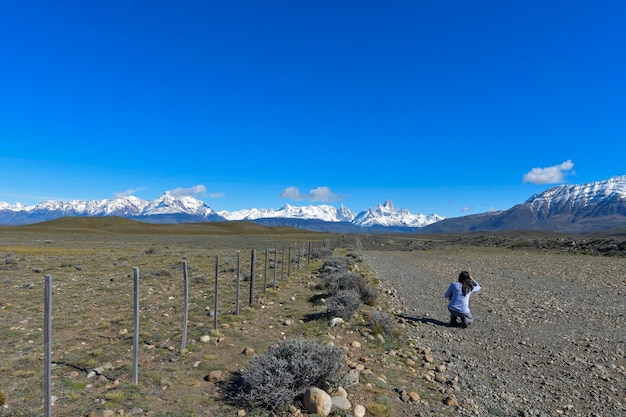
[[238, 283], [215, 304], [252, 272], [47, 337], [282, 265], [265, 273], [183, 344], [136, 329], [275, 263], [289, 261]]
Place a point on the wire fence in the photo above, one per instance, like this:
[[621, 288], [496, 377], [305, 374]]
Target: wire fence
[[114, 328]]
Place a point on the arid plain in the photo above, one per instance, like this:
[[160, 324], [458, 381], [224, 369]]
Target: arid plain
[[548, 312]]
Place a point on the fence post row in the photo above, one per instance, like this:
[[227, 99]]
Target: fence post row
[[135, 348]]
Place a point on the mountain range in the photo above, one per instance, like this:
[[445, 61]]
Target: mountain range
[[588, 207], [174, 209]]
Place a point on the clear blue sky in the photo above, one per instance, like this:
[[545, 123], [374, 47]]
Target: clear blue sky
[[447, 107]]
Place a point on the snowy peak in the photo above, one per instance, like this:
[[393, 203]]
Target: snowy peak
[[169, 204], [387, 206], [321, 212], [576, 197], [387, 215]]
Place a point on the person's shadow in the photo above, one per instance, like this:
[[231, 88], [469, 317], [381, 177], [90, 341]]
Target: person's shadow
[[427, 320]]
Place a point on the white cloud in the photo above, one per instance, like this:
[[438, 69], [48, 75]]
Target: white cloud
[[466, 209], [128, 192], [549, 175], [319, 195], [196, 190], [217, 195]]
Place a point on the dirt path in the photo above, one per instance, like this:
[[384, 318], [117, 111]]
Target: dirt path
[[550, 331]]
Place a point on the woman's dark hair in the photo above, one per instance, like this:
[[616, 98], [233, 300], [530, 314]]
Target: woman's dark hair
[[467, 282]]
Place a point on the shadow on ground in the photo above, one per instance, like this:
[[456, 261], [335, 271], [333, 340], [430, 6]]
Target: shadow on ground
[[428, 320]]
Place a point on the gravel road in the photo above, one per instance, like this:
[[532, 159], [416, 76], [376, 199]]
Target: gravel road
[[549, 336]]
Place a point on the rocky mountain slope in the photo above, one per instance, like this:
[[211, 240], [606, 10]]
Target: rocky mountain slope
[[581, 208]]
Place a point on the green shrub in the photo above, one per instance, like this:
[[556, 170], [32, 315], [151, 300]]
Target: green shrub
[[285, 371]]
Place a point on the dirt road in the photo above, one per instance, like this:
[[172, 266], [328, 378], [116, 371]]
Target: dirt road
[[549, 336]]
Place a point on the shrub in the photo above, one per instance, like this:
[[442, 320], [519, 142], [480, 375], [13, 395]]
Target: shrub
[[345, 281], [342, 281], [285, 371], [321, 253], [368, 294], [354, 256], [335, 265], [343, 304], [381, 323]]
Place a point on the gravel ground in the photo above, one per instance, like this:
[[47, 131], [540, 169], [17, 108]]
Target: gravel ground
[[549, 336]]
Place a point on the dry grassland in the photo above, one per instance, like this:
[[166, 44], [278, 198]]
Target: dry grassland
[[92, 269]]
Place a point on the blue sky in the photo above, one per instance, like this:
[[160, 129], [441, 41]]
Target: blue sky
[[452, 107]]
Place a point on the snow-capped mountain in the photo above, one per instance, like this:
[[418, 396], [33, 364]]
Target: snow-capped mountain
[[594, 206], [577, 199], [387, 215], [167, 208], [588, 207], [169, 204], [174, 209], [322, 212]]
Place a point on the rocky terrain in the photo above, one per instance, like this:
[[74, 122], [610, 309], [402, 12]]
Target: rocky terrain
[[549, 336]]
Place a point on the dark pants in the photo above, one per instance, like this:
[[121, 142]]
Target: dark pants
[[466, 318]]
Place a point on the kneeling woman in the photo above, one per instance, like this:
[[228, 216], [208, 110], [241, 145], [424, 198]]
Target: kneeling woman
[[459, 294]]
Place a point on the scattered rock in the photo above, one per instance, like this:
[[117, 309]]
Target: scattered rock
[[317, 401]]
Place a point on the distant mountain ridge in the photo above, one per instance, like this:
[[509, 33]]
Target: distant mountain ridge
[[596, 206], [173, 209]]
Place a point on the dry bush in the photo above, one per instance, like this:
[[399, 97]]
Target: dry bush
[[344, 281], [344, 304], [334, 265], [285, 371], [381, 323]]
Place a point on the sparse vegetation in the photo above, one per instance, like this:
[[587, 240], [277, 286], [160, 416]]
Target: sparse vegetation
[[92, 325], [273, 380], [381, 323]]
